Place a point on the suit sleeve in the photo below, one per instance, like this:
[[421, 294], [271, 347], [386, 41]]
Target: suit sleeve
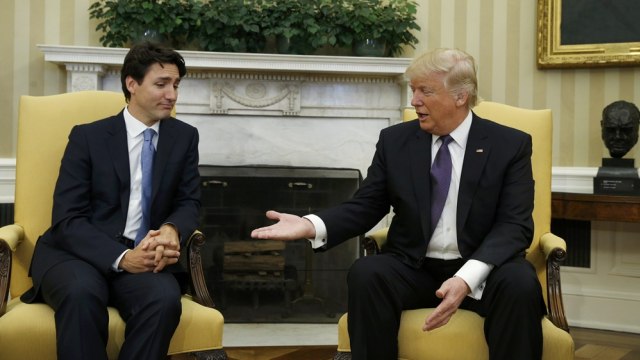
[[511, 231], [366, 208], [72, 229], [185, 205]]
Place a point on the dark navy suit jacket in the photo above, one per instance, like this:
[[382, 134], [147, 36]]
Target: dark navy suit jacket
[[495, 200], [91, 197]]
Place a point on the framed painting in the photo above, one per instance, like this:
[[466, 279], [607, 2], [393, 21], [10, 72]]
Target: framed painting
[[588, 33]]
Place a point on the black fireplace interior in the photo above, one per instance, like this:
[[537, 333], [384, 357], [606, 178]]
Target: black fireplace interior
[[273, 281]]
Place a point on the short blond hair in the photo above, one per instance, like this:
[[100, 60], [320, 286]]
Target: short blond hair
[[458, 67]]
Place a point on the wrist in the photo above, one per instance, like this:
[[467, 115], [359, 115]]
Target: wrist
[[122, 261], [169, 227]]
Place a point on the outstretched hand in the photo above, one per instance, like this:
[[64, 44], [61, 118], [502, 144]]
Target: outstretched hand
[[452, 292], [288, 227]]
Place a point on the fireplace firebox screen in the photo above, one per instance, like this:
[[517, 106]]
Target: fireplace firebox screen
[[273, 281]]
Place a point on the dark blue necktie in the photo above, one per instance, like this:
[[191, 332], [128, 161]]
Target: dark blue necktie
[[146, 163], [440, 180]]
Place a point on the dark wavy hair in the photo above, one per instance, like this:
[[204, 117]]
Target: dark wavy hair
[[140, 58]]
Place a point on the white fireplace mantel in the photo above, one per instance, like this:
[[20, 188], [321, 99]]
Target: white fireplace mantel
[[63, 54], [302, 110], [198, 60]]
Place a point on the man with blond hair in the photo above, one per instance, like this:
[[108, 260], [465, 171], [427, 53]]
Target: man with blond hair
[[462, 189]]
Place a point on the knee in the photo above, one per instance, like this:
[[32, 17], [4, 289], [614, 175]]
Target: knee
[[518, 281], [359, 271], [171, 306], [82, 294], [165, 300], [365, 272]]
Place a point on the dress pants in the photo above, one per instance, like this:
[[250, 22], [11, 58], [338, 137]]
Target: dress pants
[[149, 303], [382, 286]]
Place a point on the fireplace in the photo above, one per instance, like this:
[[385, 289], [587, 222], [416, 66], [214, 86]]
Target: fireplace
[[273, 281]]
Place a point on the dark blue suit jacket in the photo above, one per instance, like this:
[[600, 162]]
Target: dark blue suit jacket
[[495, 199], [91, 197]]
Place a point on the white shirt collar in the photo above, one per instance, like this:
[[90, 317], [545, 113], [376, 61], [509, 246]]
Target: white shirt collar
[[460, 134], [135, 127]]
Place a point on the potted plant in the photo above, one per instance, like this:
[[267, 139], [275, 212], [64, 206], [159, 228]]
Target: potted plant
[[334, 21], [299, 26], [293, 24], [382, 27], [231, 25], [127, 21]]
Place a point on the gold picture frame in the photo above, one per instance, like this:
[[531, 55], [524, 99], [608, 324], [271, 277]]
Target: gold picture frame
[[553, 54]]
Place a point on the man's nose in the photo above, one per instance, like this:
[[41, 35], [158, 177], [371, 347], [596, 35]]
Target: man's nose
[[415, 99], [171, 93]]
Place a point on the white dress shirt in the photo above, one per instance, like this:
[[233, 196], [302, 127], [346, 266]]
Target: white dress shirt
[[135, 139], [443, 243]]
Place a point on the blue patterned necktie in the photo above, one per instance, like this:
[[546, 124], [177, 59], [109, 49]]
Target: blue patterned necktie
[[146, 163], [440, 180]]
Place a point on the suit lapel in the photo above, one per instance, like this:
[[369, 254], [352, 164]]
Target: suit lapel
[[475, 158], [117, 144], [166, 141], [420, 153]]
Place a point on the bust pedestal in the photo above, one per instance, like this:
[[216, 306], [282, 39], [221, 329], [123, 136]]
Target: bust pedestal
[[617, 177]]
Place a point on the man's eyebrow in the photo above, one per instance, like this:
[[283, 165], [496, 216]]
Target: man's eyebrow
[[166, 78]]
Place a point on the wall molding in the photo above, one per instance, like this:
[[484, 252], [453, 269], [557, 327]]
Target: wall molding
[[564, 179], [596, 293], [604, 325], [601, 309], [573, 179], [7, 180]]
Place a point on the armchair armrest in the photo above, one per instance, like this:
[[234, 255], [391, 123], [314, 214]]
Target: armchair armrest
[[374, 241], [555, 251], [10, 238], [198, 285], [12, 235]]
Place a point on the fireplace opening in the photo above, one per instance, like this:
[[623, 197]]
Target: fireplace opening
[[273, 281]]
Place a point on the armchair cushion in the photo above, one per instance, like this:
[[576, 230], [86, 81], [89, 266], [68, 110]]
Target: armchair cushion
[[465, 327], [37, 321]]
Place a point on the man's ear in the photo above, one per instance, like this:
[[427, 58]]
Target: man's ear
[[131, 84], [461, 98]]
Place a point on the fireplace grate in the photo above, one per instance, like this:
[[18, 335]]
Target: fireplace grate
[[272, 281]]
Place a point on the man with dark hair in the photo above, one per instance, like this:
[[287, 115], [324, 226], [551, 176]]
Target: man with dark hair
[[461, 188], [127, 196], [620, 121]]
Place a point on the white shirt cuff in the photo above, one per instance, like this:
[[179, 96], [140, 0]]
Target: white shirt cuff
[[114, 266], [321, 231], [475, 274]]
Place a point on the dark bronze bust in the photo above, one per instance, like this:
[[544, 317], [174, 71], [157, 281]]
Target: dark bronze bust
[[620, 121], [618, 176]]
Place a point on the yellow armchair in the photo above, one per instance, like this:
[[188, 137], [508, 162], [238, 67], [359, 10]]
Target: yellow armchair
[[463, 336], [27, 331]]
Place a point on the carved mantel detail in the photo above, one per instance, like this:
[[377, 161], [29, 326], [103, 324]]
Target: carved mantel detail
[[252, 95]]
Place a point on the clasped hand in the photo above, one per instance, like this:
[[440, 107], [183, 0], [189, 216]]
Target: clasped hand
[[157, 250]]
